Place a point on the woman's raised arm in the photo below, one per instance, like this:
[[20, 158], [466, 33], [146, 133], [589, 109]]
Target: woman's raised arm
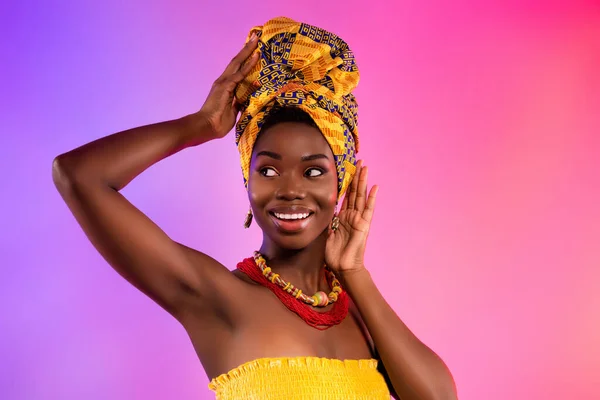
[[89, 179]]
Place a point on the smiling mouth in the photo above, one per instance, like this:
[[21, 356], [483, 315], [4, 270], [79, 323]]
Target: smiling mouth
[[291, 223], [291, 217]]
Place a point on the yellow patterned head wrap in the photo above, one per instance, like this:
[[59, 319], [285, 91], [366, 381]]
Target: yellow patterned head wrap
[[306, 67]]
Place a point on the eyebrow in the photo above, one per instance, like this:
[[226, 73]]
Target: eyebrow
[[269, 154], [277, 156]]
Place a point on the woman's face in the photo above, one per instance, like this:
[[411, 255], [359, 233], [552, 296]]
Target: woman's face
[[292, 184]]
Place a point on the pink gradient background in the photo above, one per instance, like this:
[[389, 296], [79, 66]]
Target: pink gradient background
[[480, 121]]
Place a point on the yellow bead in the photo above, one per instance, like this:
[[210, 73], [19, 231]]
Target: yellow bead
[[299, 293], [274, 277]]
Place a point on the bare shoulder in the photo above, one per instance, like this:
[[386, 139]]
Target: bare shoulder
[[219, 287], [353, 310], [203, 260], [243, 277], [215, 268]]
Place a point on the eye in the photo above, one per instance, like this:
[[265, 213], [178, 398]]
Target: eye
[[267, 171], [313, 172]]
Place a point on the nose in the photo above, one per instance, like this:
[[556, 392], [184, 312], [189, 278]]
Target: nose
[[290, 188]]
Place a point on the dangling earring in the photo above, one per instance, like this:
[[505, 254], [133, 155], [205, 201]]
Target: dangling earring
[[335, 222], [248, 219]]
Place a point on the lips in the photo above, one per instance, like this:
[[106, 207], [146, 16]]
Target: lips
[[291, 218], [291, 225]]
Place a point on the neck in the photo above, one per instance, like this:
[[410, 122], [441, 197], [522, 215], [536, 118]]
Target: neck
[[302, 267]]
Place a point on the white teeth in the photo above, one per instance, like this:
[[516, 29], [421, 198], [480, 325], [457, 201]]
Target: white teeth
[[291, 216]]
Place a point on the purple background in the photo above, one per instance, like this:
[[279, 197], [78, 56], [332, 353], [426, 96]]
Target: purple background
[[480, 121]]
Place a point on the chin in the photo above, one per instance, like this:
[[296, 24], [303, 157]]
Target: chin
[[296, 242]]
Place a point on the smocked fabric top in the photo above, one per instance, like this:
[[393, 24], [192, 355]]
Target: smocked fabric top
[[302, 378]]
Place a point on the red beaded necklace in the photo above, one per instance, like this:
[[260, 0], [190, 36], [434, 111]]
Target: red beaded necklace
[[318, 320]]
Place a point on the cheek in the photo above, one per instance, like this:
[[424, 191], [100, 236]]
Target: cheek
[[256, 192], [329, 197], [332, 198]]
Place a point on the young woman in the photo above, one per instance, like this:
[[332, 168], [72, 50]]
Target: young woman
[[302, 318]]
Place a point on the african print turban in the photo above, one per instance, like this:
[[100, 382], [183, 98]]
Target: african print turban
[[306, 67]]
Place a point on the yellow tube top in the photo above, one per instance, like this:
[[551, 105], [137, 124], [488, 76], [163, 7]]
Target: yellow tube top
[[302, 378]]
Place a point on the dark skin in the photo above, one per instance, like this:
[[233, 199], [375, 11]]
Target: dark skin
[[210, 301], [279, 179]]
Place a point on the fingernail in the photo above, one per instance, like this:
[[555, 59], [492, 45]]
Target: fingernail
[[253, 37]]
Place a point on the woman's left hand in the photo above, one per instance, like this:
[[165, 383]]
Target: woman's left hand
[[345, 248]]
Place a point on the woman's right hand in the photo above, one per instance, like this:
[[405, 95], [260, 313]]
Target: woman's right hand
[[221, 108]]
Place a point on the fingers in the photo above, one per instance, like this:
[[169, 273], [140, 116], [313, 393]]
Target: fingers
[[235, 65], [354, 187], [356, 198], [361, 193], [235, 105], [370, 207], [344, 202], [245, 69]]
